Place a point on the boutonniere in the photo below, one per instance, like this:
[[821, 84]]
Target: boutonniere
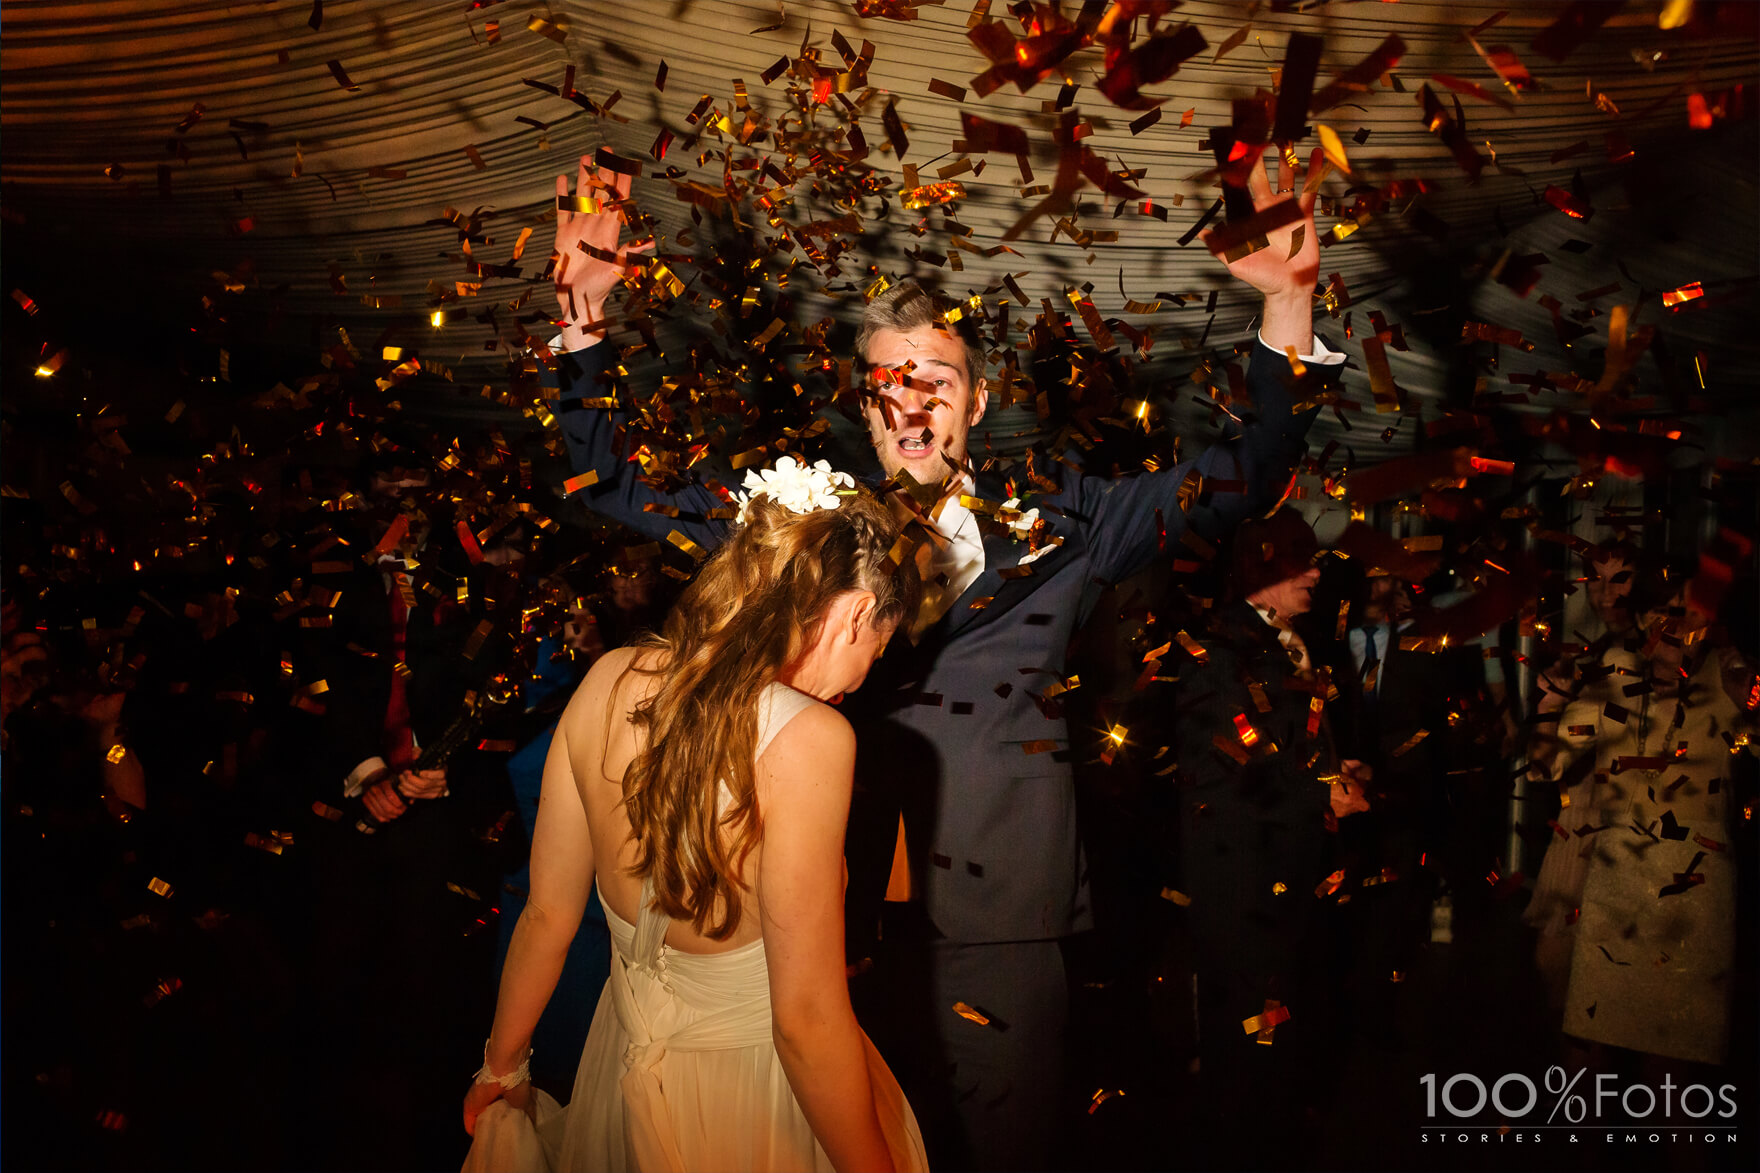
[[1027, 526]]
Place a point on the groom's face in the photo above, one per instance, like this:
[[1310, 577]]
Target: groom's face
[[919, 402]]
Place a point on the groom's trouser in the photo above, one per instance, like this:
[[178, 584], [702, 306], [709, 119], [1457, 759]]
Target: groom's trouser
[[987, 1096]]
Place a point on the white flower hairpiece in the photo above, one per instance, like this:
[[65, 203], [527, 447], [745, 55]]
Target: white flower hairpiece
[[798, 487]]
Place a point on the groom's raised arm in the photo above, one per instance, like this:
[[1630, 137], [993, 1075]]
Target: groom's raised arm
[[583, 281], [1245, 472]]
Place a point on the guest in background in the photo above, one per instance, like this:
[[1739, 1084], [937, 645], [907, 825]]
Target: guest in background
[[1654, 957], [1262, 789], [399, 865], [1573, 692]]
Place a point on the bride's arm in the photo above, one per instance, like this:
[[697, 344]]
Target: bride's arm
[[804, 783], [562, 876]]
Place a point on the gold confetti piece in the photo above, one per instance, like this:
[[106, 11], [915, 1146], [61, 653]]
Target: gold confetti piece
[[1179, 898], [478, 637], [971, 1015], [947, 89], [578, 203], [931, 195], [341, 76], [555, 30], [115, 754], [1279, 888], [1193, 647], [1675, 298], [159, 887], [688, 546], [1275, 1013], [271, 846], [1100, 1097], [462, 891], [1333, 147], [325, 811], [1411, 743], [1036, 747], [162, 991], [1233, 42], [1351, 84], [475, 156], [576, 484]]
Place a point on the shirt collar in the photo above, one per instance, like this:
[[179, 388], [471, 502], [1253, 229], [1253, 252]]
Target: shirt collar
[[1270, 617], [954, 515]]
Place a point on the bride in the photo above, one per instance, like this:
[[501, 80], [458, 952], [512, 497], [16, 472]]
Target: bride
[[703, 779]]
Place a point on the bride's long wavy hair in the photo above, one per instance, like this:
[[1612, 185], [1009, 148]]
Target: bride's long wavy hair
[[756, 604]]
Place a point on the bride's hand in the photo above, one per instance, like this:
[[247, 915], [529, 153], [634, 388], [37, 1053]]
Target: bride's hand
[[482, 1095], [479, 1097]]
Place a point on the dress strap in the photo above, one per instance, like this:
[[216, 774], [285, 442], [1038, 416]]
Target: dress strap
[[778, 705]]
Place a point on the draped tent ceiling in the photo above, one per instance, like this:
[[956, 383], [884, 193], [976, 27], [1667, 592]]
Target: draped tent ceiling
[[215, 143]]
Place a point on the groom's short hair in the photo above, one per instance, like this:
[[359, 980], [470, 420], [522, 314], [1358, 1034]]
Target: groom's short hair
[[909, 305]]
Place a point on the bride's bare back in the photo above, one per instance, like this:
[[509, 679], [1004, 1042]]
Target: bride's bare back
[[601, 742]]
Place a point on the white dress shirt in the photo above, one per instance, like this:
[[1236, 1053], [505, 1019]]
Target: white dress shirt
[[1323, 354], [961, 561]]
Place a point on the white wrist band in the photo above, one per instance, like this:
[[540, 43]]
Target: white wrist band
[[519, 1075]]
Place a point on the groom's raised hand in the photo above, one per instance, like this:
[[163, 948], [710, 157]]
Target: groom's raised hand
[[589, 261], [1285, 276]]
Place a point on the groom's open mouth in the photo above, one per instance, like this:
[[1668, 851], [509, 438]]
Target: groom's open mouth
[[917, 445]]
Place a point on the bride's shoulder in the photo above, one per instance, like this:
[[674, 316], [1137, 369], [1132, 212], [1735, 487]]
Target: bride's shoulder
[[814, 731], [627, 673]]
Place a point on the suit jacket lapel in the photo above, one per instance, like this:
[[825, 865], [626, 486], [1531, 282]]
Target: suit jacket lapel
[[998, 591]]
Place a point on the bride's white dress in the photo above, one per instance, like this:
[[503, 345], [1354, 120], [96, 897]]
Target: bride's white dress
[[680, 1071]]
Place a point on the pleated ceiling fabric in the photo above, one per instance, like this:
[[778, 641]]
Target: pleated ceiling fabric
[[214, 133]]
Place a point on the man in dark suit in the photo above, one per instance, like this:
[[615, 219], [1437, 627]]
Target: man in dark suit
[[1261, 787], [952, 735]]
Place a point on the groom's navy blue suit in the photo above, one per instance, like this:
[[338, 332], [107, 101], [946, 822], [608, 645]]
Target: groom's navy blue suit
[[949, 733]]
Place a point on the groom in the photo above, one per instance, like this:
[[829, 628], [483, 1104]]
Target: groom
[[949, 732]]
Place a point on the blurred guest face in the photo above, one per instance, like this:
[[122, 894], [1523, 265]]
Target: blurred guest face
[[1388, 601], [395, 482], [1605, 594], [1291, 596]]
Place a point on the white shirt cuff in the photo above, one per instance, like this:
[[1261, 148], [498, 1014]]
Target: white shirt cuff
[[1323, 354], [357, 778]]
